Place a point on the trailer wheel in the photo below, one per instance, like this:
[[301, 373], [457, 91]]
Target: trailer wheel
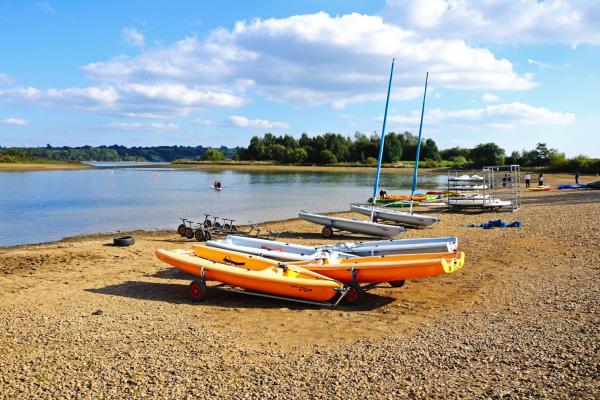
[[397, 284], [355, 295], [199, 235], [207, 223], [181, 230], [327, 232], [197, 291], [189, 233], [217, 225], [207, 235]]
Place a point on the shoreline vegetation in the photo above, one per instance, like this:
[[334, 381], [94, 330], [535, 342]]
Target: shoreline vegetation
[[330, 150]]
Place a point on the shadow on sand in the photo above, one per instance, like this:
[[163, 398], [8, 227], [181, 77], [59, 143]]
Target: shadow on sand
[[178, 294]]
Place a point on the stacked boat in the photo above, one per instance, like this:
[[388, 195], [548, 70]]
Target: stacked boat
[[323, 275]]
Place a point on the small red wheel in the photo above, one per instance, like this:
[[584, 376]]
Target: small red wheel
[[355, 295], [327, 232], [197, 291]]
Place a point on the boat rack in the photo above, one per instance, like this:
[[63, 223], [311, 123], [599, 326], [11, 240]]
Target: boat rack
[[494, 188], [213, 225]]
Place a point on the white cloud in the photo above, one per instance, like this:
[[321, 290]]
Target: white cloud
[[14, 121], [243, 122], [45, 7], [154, 126], [539, 63], [132, 36], [523, 21], [150, 101], [489, 97], [499, 116], [316, 59]]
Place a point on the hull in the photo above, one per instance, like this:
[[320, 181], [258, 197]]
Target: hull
[[540, 188], [366, 227], [594, 185], [365, 269], [477, 201], [274, 250], [401, 246], [576, 186], [370, 248], [294, 282], [397, 216], [466, 178]]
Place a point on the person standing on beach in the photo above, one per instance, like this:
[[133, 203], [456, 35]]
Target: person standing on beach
[[541, 180], [577, 177], [527, 180]]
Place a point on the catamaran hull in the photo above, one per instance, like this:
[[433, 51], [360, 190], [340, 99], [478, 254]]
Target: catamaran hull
[[403, 218], [365, 227]]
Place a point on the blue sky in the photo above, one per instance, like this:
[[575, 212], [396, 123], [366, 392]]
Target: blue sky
[[200, 73]]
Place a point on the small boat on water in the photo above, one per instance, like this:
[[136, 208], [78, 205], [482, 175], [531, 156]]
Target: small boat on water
[[296, 252], [350, 225], [403, 218], [393, 268], [278, 280]]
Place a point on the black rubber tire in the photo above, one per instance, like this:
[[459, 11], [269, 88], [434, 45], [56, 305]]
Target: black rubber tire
[[327, 232], [181, 230], [207, 235], [207, 223], [397, 284], [199, 235], [226, 227], [123, 241], [355, 296], [217, 225], [189, 233], [197, 291]]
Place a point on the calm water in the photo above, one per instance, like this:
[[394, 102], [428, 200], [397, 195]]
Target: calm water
[[41, 206]]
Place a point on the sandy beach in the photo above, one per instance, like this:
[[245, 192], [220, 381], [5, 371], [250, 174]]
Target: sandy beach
[[83, 319]]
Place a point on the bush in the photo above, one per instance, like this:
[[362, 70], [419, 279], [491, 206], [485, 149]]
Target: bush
[[212, 155], [372, 161]]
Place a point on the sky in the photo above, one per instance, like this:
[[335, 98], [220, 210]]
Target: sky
[[145, 73]]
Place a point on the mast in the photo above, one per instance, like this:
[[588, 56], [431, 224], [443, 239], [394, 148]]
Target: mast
[[387, 101], [414, 182]]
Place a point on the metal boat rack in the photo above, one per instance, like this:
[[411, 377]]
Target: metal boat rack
[[213, 225], [498, 183]]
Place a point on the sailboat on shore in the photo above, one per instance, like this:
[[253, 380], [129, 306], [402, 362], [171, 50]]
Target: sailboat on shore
[[403, 218]]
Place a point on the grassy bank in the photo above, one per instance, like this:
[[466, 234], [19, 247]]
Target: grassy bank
[[44, 165]]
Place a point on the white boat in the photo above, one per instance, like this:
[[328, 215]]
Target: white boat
[[297, 252], [275, 250], [466, 178], [403, 218], [350, 225], [469, 187], [398, 246], [477, 201]]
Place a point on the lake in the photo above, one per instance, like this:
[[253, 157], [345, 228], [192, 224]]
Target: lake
[[42, 206]]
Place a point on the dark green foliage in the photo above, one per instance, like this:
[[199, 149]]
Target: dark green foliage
[[487, 154]]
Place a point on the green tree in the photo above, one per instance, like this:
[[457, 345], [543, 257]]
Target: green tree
[[487, 154], [430, 151], [327, 157], [212, 155]]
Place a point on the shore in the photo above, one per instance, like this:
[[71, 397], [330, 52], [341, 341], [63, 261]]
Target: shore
[[42, 166], [82, 318]]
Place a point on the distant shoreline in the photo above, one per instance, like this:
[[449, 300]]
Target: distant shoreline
[[33, 166]]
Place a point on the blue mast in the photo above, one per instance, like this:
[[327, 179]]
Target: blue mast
[[414, 182], [376, 186]]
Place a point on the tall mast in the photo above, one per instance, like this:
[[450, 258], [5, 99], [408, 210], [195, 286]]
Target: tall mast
[[415, 173]]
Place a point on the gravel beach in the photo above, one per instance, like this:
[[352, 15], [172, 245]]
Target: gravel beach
[[83, 319]]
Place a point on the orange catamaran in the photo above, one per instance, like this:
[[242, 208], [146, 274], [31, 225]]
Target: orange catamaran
[[291, 281]]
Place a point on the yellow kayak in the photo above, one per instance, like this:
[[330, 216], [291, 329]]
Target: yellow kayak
[[279, 280]]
